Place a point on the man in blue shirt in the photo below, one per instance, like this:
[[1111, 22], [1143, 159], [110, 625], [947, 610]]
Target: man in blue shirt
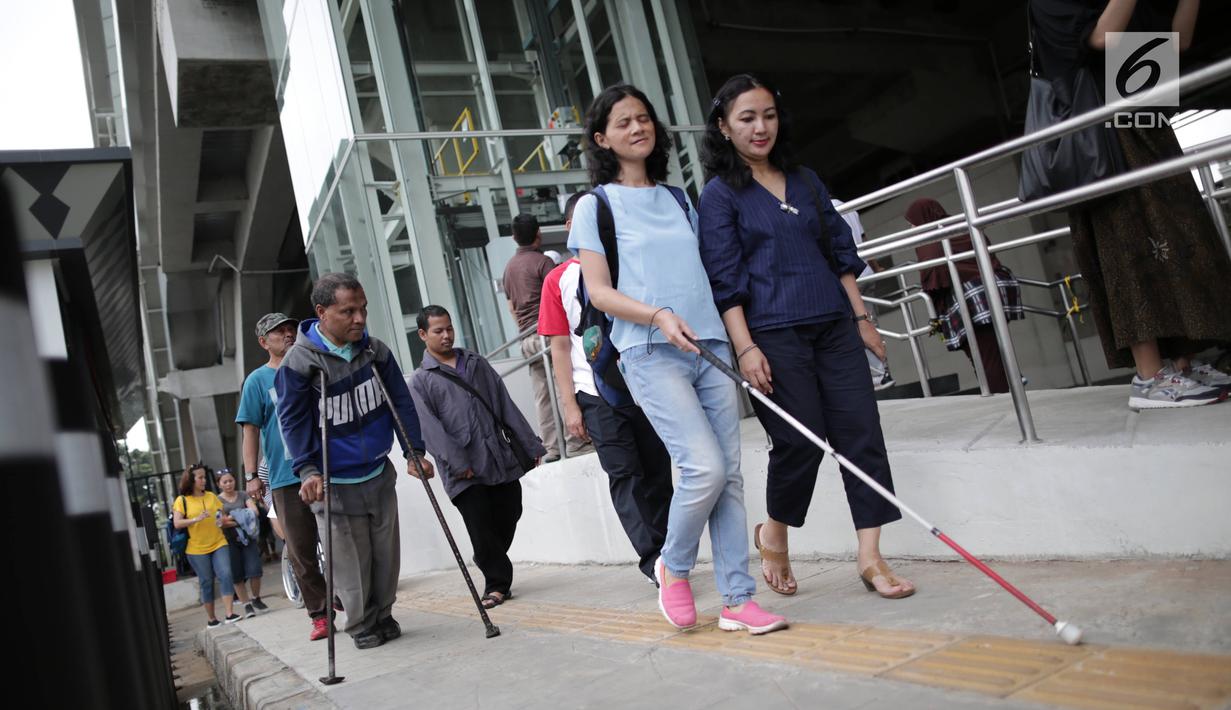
[[258, 415]]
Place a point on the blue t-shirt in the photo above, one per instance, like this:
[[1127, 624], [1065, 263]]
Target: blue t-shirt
[[258, 405], [660, 262]]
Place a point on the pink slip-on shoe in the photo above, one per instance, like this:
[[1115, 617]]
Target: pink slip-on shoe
[[753, 618], [675, 601]]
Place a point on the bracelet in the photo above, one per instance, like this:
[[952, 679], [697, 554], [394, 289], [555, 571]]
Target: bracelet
[[660, 310], [745, 351]]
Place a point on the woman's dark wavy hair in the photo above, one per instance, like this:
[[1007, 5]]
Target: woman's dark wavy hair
[[187, 482], [604, 166], [718, 156]]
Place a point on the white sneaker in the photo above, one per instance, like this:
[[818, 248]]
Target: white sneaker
[[1206, 374], [1168, 389]]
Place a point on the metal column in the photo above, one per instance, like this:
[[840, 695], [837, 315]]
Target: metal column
[[587, 47], [955, 283], [1066, 297], [1024, 419], [916, 352], [493, 111], [1220, 220]]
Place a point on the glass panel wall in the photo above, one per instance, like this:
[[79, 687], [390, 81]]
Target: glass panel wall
[[424, 218]]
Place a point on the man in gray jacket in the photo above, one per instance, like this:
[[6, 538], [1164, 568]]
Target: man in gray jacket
[[463, 407], [366, 553]]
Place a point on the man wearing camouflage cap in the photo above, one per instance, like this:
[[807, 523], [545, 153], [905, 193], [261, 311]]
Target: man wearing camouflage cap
[[258, 415]]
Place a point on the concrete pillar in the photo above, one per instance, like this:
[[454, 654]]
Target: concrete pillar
[[204, 416], [217, 68]]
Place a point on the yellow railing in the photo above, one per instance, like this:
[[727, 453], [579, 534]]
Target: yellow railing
[[540, 152], [464, 122]]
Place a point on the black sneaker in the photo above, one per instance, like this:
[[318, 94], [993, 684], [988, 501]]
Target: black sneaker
[[213, 624], [249, 612], [258, 604], [368, 639], [388, 628], [231, 619]]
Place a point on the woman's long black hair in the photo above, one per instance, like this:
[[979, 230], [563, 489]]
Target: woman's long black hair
[[604, 165], [718, 156]]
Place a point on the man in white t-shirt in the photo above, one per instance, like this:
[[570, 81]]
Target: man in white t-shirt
[[636, 462], [881, 378]]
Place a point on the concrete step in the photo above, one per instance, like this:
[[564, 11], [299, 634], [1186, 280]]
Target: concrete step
[[1104, 482]]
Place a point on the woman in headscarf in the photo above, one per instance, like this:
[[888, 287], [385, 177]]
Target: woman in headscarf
[[937, 284]]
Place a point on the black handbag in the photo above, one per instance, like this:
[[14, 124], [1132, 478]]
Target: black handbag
[[504, 431], [1072, 160]]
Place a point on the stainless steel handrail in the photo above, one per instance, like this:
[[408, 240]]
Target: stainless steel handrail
[[974, 219], [1195, 80], [510, 343], [870, 246]]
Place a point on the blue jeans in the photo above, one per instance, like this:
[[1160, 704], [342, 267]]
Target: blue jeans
[[216, 564], [695, 411]]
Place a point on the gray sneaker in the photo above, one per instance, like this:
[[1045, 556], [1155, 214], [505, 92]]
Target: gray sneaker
[[1169, 389], [249, 612], [1206, 374]]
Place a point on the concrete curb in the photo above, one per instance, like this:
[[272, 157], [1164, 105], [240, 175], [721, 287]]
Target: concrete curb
[[253, 678]]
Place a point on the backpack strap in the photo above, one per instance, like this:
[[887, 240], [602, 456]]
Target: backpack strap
[[606, 233], [466, 386], [682, 198]]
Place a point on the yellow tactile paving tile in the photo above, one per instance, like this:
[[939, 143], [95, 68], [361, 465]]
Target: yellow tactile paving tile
[[996, 666], [1046, 672], [1133, 678]]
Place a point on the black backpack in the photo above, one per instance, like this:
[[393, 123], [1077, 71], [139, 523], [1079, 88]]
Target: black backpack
[[594, 327]]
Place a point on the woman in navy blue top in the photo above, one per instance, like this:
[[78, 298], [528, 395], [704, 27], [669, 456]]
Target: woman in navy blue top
[[782, 267]]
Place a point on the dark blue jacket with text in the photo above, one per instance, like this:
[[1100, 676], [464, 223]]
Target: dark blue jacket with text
[[360, 424]]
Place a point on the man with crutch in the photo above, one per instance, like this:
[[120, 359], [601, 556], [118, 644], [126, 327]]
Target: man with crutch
[[258, 416], [358, 424]]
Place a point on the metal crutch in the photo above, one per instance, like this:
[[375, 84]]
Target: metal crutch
[[332, 678]]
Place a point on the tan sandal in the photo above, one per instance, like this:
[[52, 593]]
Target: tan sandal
[[774, 557], [881, 569]]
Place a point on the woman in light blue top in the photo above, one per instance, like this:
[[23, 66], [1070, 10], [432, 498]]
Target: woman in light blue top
[[661, 299]]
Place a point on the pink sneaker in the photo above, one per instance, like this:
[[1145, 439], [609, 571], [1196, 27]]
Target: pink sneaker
[[753, 618], [675, 601]]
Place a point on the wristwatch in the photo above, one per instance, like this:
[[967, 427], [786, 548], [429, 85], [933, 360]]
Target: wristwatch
[[864, 316], [250, 476]]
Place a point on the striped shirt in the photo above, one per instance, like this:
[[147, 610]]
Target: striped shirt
[[769, 259]]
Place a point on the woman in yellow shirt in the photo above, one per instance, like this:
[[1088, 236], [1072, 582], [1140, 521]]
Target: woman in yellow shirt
[[200, 511]]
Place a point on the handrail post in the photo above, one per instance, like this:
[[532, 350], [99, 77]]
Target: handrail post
[[1066, 297], [955, 283], [1220, 220], [561, 434], [916, 352], [984, 258]]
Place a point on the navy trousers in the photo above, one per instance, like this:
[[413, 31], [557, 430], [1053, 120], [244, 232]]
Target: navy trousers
[[639, 470], [820, 376]]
